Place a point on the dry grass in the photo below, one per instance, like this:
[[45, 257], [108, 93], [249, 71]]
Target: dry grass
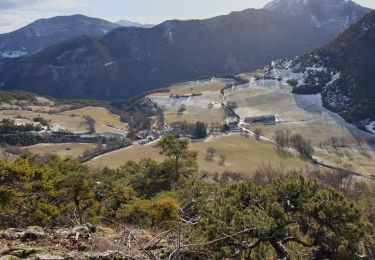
[[242, 155], [194, 115], [105, 121], [196, 107], [73, 150], [193, 87], [75, 124], [299, 114], [361, 159], [72, 120]]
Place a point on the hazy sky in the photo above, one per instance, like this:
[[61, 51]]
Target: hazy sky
[[17, 13]]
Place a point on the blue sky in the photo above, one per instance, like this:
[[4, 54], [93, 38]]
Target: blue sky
[[17, 13]]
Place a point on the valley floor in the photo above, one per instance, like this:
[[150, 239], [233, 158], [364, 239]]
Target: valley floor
[[336, 142], [242, 154]]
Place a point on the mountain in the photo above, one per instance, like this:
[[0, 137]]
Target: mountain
[[343, 71], [332, 15], [129, 61], [45, 32], [126, 23]]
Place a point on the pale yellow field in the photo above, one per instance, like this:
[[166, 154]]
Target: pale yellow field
[[75, 124], [196, 107], [243, 155], [105, 121], [361, 159], [72, 120], [300, 114], [73, 150], [194, 115], [193, 87]]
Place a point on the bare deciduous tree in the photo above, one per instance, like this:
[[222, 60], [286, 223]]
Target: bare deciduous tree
[[258, 133], [210, 153], [222, 160]]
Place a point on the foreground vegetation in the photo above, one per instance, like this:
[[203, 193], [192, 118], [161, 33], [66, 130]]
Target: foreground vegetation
[[274, 214]]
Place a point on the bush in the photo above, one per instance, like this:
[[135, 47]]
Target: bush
[[149, 212], [164, 209]]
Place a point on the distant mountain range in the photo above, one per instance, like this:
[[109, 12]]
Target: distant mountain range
[[45, 32], [126, 23], [343, 71], [129, 61]]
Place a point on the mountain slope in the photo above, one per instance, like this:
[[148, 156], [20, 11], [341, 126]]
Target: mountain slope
[[45, 32], [126, 23], [343, 71], [129, 61]]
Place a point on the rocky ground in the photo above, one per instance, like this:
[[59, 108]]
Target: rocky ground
[[83, 242]]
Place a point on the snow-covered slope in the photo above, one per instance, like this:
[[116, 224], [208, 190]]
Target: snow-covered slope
[[342, 71], [126, 23]]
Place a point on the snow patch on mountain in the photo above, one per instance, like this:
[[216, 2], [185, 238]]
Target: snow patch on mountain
[[309, 75], [301, 71], [12, 54], [370, 126]]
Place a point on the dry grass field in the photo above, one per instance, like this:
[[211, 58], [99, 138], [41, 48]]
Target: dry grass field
[[75, 124], [242, 154], [197, 107], [105, 120], [187, 88], [72, 119], [361, 159], [300, 114], [73, 150]]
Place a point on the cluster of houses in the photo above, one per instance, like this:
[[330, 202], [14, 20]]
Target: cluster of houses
[[148, 136]]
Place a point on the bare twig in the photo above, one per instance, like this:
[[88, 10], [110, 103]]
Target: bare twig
[[159, 237], [220, 239], [133, 237]]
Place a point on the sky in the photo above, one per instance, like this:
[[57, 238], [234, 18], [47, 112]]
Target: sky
[[17, 13]]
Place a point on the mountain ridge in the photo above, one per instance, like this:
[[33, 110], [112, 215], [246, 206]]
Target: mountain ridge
[[42, 33], [129, 61], [127, 23]]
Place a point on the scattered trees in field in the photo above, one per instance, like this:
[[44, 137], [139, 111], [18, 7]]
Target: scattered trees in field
[[181, 109], [200, 130], [281, 139], [8, 126], [42, 121], [284, 139], [90, 123], [302, 146], [210, 153], [223, 158], [232, 105], [276, 214], [258, 133], [160, 118]]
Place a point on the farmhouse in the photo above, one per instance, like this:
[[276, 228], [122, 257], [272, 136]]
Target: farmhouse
[[265, 120]]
